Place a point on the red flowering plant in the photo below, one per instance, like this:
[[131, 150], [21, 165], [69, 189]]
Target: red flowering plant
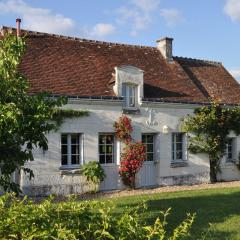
[[132, 158], [123, 129]]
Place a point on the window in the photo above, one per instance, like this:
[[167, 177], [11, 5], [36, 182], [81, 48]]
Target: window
[[71, 149], [229, 150], [129, 92], [177, 147], [148, 140], [106, 148]]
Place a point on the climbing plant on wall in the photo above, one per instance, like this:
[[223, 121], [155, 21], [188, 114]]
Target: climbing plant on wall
[[211, 126], [134, 153], [24, 119], [123, 129]]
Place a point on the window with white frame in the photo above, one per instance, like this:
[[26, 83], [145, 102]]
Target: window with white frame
[[148, 141], [129, 92], [177, 147], [106, 148], [71, 149], [229, 150]]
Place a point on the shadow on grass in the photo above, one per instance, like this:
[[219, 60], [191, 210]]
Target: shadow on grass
[[214, 208]]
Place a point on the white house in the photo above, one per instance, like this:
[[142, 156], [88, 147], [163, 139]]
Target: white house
[[150, 85]]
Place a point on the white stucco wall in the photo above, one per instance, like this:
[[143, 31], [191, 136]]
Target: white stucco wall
[[46, 166]]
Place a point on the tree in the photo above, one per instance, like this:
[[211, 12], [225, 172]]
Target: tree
[[24, 119], [211, 126]]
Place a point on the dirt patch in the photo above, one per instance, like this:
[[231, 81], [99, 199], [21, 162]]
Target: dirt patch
[[145, 191]]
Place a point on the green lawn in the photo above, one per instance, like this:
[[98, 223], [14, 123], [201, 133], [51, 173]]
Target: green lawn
[[220, 207]]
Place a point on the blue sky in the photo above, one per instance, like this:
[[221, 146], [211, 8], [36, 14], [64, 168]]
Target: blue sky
[[206, 29]]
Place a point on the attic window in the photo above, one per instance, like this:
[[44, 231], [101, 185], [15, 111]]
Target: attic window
[[129, 92], [129, 84]]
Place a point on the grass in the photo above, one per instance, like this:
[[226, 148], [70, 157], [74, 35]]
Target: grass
[[218, 207]]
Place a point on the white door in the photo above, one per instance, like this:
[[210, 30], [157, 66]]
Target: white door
[[111, 180], [147, 176], [107, 159]]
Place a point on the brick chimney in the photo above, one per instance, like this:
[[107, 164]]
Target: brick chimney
[[18, 26], [164, 45]]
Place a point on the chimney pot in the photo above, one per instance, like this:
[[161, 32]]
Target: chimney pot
[[164, 45], [18, 27]]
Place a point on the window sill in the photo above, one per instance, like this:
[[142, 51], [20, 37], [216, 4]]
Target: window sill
[[179, 164], [70, 170], [230, 163], [131, 110]]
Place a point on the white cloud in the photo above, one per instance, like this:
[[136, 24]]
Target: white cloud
[[102, 30], [235, 73], [139, 14], [146, 5], [171, 16], [39, 19], [232, 9], [44, 20]]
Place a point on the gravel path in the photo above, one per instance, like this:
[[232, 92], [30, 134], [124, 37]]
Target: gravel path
[[125, 193], [122, 193]]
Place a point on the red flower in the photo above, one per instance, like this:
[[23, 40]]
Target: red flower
[[132, 160], [123, 129]]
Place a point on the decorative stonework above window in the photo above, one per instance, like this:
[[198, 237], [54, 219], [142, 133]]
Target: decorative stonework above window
[[129, 84]]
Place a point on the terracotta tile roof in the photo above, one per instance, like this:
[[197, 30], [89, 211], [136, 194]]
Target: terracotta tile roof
[[73, 66]]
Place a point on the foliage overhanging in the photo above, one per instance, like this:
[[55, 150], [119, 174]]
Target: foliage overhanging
[[24, 119]]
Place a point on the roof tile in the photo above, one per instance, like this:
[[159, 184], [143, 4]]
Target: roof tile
[[73, 66]]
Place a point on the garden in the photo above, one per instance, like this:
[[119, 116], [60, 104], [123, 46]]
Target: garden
[[212, 214]]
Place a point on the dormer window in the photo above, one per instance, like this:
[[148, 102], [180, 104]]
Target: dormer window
[[129, 92], [129, 85]]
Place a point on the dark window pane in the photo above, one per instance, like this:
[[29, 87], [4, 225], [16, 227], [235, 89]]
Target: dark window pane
[[179, 155], [109, 149], [102, 159], [64, 138], [149, 147], [109, 139], [75, 149], [150, 157], [230, 148], [150, 138], [109, 159], [144, 137], [75, 159], [179, 146], [64, 149], [178, 137], [102, 139], [102, 149], [64, 160], [75, 139]]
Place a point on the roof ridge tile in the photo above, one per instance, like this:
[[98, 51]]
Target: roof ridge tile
[[79, 39], [197, 60]]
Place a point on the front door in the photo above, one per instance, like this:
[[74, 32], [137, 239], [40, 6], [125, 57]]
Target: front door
[[147, 175], [107, 159]]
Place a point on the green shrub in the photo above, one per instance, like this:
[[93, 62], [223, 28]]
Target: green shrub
[[93, 172], [88, 220]]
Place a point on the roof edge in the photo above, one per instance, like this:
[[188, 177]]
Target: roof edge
[[36, 33], [199, 60]]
